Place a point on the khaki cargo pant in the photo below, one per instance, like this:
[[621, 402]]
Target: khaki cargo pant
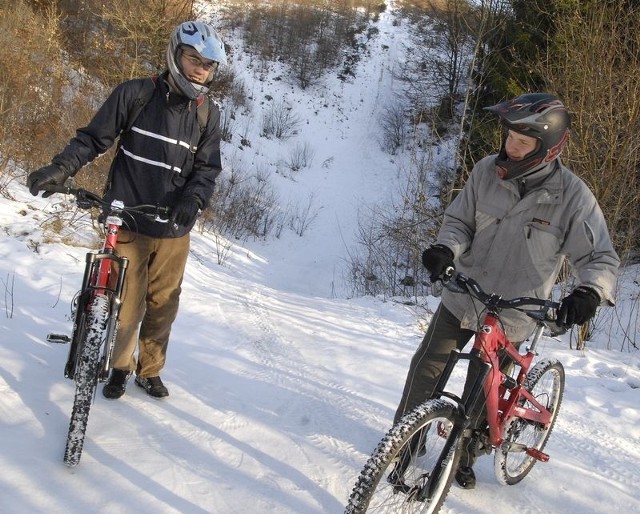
[[150, 301]]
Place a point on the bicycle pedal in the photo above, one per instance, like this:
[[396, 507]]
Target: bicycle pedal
[[58, 338], [537, 454]]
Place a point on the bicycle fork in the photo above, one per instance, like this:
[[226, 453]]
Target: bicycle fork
[[462, 420], [104, 274], [114, 316], [464, 406]]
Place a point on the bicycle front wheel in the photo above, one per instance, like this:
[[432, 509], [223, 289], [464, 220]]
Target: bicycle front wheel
[[86, 377], [512, 462], [395, 475]]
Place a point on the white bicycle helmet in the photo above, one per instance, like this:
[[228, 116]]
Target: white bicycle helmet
[[204, 40]]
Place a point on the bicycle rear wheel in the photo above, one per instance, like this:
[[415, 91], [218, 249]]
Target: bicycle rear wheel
[[86, 377], [403, 462], [512, 463]]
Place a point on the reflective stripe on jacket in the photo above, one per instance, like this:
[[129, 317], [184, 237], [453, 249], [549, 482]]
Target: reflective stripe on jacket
[[162, 158]]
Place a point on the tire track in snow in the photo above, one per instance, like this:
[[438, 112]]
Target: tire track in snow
[[606, 458], [314, 407]]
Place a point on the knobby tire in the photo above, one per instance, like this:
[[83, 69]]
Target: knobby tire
[[86, 377], [416, 441], [545, 381]]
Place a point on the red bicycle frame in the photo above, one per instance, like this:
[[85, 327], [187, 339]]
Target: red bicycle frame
[[503, 394], [112, 226]]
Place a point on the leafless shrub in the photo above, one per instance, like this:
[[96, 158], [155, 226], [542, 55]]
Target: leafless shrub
[[227, 124], [9, 287], [233, 99], [301, 156], [7, 176], [223, 247], [393, 123], [303, 217], [280, 121], [244, 205], [391, 238]]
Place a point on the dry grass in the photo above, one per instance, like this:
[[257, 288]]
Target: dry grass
[[39, 109]]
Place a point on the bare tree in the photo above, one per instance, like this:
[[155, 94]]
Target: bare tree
[[485, 26], [437, 63], [143, 29], [594, 67]]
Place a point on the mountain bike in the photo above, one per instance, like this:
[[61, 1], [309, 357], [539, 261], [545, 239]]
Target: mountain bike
[[413, 466], [95, 310]]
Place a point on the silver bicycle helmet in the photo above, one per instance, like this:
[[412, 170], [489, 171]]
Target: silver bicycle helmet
[[539, 115], [206, 41]]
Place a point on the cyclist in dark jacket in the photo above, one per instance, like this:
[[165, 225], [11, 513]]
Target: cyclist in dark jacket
[[519, 216], [163, 158]]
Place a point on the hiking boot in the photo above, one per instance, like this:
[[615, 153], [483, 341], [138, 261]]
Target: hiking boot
[[153, 386], [465, 477], [116, 384]]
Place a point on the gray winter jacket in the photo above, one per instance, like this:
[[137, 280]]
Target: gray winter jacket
[[515, 246]]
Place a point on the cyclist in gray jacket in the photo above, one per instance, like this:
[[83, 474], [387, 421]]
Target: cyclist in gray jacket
[[520, 214]]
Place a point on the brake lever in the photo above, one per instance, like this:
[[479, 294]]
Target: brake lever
[[82, 200], [447, 274], [555, 328], [450, 281]]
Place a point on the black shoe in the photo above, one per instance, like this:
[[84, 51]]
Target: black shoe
[[466, 478], [116, 385], [153, 386]]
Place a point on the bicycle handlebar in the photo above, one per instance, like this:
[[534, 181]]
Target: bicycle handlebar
[[86, 200], [460, 283]]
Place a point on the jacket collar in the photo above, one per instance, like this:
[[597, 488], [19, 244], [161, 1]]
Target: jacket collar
[[545, 183]]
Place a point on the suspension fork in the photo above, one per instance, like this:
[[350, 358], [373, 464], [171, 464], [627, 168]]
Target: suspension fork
[[96, 281], [464, 406], [118, 269], [447, 453], [83, 300], [471, 395]]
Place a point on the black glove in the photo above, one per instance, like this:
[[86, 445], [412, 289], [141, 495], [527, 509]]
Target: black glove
[[49, 175], [185, 211], [578, 307], [437, 258]]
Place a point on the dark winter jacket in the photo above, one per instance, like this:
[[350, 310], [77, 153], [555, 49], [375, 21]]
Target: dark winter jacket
[[162, 158], [514, 245]]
